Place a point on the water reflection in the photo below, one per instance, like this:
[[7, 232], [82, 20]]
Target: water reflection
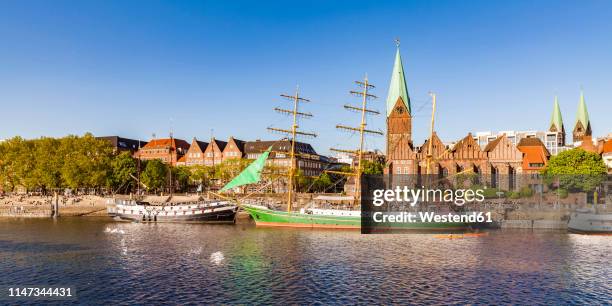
[[184, 263]]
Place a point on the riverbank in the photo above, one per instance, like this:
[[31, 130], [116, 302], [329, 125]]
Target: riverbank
[[22, 206], [28, 206]]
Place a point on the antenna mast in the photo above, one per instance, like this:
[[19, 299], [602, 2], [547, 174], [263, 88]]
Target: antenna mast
[[365, 96], [293, 132]]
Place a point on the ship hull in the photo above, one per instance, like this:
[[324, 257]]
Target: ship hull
[[203, 213], [222, 216], [270, 218], [587, 222]]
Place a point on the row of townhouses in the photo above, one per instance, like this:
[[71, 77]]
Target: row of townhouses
[[178, 152]]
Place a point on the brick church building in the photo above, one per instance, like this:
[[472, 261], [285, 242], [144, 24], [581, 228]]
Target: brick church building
[[497, 164]]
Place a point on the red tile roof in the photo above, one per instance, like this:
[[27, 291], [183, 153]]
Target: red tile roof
[[167, 142], [607, 146], [534, 152]]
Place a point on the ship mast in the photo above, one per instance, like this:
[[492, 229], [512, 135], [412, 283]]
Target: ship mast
[[431, 131], [293, 132], [363, 110]]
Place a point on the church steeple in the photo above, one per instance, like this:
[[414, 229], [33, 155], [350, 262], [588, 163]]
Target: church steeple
[[397, 87], [556, 123], [582, 127], [400, 157]]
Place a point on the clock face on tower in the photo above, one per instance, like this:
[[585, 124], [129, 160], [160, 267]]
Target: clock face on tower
[[399, 109]]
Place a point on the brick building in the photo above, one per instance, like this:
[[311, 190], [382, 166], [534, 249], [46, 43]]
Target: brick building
[[168, 150], [493, 160], [195, 154], [234, 149], [306, 160], [213, 155]]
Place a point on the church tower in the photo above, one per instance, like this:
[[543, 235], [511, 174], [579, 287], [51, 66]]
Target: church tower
[[400, 156], [556, 124], [583, 125]]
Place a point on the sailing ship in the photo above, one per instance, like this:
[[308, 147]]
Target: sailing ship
[[208, 211], [313, 217]]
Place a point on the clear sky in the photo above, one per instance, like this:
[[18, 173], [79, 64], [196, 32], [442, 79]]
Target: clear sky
[[134, 68]]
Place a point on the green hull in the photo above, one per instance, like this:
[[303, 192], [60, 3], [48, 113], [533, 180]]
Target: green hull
[[267, 217]]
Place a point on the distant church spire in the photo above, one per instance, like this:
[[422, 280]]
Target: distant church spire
[[556, 123], [582, 127], [397, 87]]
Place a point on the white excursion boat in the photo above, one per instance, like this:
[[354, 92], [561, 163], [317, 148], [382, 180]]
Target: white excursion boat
[[201, 211], [590, 221]]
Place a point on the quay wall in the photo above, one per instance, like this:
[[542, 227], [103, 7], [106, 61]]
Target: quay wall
[[534, 224]]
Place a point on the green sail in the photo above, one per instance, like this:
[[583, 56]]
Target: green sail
[[251, 174]]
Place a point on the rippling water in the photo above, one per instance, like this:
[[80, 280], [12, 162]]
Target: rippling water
[[111, 262]]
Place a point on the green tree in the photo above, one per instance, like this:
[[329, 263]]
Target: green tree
[[180, 176], [322, 183], [123, 167], [303, 183], [372, 167], [201, 174], [47, 171], [155, 174], [86, 161], [576, 170]]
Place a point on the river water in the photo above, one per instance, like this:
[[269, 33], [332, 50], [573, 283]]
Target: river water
[[112, 262]]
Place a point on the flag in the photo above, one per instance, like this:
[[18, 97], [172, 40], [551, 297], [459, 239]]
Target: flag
[[251, 174]]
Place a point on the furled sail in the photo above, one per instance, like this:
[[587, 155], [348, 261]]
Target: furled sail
[[251, 174]]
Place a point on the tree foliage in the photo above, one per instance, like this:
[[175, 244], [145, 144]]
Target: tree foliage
[[181, 176], [576, 170], [155, 175], [123, 169], [46, 163], [372, 167]]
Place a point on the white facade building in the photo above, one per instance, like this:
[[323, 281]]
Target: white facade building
[[550, 139]]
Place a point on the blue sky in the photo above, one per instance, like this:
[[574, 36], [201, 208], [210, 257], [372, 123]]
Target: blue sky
[[134, 68]]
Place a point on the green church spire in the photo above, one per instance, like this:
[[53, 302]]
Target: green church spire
[[582, 115], [397, 87], [556, 121]]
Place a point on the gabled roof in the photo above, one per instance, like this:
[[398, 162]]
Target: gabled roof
[[200, 144], [534, 152], [220, 144], [493, 143], [397, 86], [530, 142], [438, 146], [239, 143], [582, 115], [556, 121], [167, 142], [466, 141]]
